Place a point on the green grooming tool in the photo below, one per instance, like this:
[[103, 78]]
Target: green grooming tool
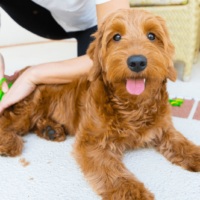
[[1, 92]]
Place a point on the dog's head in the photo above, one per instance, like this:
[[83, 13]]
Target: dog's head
[[132, 49]]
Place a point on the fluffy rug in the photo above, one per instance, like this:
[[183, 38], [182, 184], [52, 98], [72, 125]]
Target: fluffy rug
[[47, 170]]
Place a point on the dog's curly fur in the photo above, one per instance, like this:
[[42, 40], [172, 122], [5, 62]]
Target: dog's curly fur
[[107, 119]]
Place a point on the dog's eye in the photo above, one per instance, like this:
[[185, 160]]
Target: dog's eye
[[151, 36], [117, 37]]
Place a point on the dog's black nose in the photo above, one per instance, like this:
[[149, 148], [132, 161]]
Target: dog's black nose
[[137, 63]]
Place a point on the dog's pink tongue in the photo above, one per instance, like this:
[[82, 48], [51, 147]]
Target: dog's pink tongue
[[135, 86]]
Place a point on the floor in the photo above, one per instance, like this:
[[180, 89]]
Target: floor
[[47, 170]]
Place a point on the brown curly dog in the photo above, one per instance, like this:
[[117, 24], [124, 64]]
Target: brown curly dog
[[122, 104]]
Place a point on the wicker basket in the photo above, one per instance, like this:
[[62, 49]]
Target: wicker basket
[[183, 24]]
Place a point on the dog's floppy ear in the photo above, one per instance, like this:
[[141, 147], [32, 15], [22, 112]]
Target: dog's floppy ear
[[95, 52], [170, 50], [172, 74], [92, 53]]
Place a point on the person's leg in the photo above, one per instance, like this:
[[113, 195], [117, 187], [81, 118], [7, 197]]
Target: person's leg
[[83, 39], [34, 18]]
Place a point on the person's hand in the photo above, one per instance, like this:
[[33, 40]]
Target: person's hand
[[5, 84], [22, 87], [60, 72]]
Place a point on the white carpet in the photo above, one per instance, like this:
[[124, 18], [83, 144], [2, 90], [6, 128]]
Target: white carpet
[[62, 180]]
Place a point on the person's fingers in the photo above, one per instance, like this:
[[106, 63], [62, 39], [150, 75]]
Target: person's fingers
[[10, 98], [10, 79], [13, 77], [4, 87], [2, 67], [4, 105], [19, 90]]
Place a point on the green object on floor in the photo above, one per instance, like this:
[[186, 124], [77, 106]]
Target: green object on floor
[[176, 102], [1, 92]]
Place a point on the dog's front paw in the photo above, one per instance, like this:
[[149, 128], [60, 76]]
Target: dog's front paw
[[128, 190], [54, 133], [3, 155], [191, 162]]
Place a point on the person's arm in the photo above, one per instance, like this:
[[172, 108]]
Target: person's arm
[[60, 72], [56, 72], [66, 71], [48, 73], [111, 6]]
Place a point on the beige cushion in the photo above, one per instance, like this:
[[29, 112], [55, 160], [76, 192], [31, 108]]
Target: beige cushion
[[157, 2]]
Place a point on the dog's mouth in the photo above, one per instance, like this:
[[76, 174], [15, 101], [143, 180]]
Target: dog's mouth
[[135, 86]]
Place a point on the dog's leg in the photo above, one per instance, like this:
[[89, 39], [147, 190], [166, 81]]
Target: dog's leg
[[179, 150], [50, 130], [11, 129], [106, 173], [11, 144]]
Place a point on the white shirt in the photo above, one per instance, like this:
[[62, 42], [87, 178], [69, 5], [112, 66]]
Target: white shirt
[[72, 15]]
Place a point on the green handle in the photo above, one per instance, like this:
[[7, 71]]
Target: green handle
[[9, 85], [1, 92]]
